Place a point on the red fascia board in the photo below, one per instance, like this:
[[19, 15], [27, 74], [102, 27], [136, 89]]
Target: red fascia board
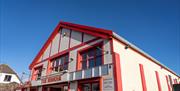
[[45, 45], [82, 28], [94, 33]]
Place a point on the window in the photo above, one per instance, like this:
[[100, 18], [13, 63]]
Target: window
[[7, 78], [65, 88], [60, 63], [39, 72], [91, 58], [90, 87]]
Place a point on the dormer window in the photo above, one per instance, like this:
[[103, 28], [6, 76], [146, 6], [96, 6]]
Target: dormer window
[[60, 63], [7, 78]]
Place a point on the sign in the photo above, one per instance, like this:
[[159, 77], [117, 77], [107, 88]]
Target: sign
[[108, 84], [51, 79]]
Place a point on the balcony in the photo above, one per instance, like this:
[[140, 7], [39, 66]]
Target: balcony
[[72, 76], [90, 73]]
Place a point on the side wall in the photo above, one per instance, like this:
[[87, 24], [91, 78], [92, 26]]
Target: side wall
[[140, 73]]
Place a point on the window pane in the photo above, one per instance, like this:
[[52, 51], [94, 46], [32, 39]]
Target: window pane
[[7, 78], [98, 57], [57, 62], [91, 54], [91, 63], [84, 65], [65, 88], [99, 61], [98, 52], [86, 87], [95, 87], [84, 56]]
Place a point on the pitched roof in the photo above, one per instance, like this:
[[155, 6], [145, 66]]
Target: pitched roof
[[98, 32], [4, 68]]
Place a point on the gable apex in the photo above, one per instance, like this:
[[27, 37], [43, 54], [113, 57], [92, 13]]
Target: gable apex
[[98, 32]]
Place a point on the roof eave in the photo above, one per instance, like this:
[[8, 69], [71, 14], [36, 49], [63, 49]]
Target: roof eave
[[141, 51]]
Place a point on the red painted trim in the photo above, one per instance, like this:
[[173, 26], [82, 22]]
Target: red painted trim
[[69, 87], [75, 47], [83, 27], [169, 89], [86, 29], [90, 81], [117, 72], [143, 80], [116, 69], [175, 81], [32, 74], [70, 39], [158, 81], [48, 68], [59, 40], [122, 42], [50, 49], [39, 66], [70, 49], [45, 46]]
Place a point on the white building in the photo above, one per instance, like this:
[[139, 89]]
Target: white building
[[7, 75], [82, 58]]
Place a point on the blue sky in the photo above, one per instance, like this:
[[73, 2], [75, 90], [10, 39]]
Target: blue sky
[[153, 25]]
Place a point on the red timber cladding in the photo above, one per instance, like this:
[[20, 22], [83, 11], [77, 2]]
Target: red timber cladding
[[117, 72], [143, 77], [168, 85], [158, 81], [117, 69]]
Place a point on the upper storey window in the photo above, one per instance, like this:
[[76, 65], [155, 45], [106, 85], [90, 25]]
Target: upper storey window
[[39, 72], [7, 78], [60, 63], [91, 57]]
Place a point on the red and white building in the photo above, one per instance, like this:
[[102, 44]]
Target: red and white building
[[82, 58]]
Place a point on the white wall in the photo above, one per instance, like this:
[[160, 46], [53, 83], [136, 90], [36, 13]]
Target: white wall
[[14, 78], [64, 39], [87, 37], [76, 38], [131, 78], [55, 44]]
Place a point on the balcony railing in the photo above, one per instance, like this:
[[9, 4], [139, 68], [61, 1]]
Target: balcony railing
[[76, 75], [90, 72]]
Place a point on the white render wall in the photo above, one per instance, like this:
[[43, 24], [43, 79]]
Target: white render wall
[[64, 39], [14, 78], [131, 78], [55, 44], [61, 42], [76, 38]]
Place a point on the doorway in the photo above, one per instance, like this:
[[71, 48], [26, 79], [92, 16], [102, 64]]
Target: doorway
[[90, 86]]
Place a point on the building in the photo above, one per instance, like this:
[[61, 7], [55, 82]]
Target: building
[[7, 75], [82, 58]]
